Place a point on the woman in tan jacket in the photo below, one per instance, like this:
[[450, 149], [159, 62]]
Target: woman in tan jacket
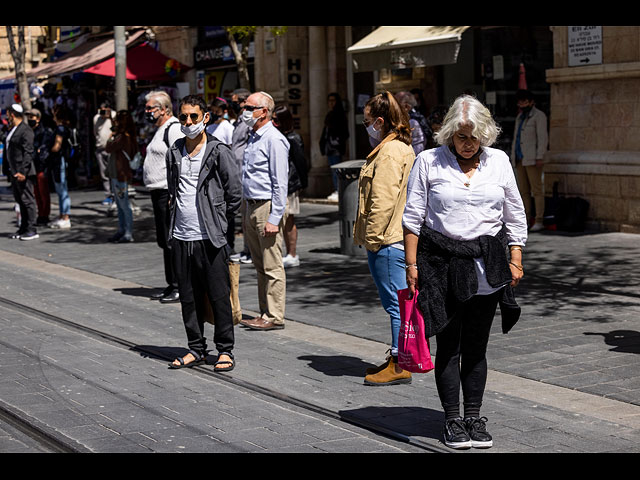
[[378, 226]]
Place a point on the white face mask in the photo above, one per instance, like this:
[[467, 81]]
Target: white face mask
[[373, 133], [248, 118], [192, 131]]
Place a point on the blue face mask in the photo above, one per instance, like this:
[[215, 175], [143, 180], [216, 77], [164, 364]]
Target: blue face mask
[[373, 133]]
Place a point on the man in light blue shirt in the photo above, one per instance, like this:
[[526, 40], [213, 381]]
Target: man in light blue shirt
[[265, 177]]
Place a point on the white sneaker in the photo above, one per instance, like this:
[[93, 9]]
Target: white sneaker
[[536, 227], [60, 223], [290, 261], [334, 197]]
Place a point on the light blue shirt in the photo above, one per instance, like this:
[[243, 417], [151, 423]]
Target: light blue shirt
[[265, 169]]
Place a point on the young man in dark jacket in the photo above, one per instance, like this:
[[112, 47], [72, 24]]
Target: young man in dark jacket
[[203, 181], [22, 171]]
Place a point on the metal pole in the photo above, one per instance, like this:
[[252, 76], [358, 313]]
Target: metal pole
[[121, 68]]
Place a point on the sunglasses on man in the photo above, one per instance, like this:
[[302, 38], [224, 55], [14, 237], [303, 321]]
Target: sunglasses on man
[[183, 117]]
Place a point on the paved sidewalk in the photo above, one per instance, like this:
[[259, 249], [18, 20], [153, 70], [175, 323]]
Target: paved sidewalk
[[566, 379]]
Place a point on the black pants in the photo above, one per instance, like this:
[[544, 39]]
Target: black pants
[[23, 193], [203, 275], [461, 355], [159, 200]]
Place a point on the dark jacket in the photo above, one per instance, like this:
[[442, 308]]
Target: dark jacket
[[43, 139], [298, 177], [20, 151], [447, 276], [219, 187]]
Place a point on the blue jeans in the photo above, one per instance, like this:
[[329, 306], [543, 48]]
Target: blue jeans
[[387, 268], [334, 160], [120, 192], [62, 190]]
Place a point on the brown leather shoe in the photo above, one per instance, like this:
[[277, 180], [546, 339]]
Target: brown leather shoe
[[260, 323], [388, 376]]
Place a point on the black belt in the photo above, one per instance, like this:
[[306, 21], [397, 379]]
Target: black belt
[[253, 201]]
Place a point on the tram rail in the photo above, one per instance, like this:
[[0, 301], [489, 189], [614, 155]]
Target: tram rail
[[55, 443]]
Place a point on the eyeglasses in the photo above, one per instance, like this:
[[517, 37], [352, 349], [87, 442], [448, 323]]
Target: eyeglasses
[[194, 117], [251, 108]]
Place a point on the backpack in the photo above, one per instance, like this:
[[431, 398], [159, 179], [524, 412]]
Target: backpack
[[166, 134]]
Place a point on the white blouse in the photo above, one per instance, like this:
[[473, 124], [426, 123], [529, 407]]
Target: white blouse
[[438, 196]]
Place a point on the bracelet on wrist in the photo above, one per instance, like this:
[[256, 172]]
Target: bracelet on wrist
[[414, 265], [515, 247], [519, 267]]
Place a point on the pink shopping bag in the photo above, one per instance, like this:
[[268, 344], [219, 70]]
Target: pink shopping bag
[[413, 347]]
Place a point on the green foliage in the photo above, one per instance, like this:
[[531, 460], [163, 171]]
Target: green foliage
[[241, 32]]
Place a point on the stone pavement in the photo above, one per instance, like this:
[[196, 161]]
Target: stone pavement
[[565, 379]]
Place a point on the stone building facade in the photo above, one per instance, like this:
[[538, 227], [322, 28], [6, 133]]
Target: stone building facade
[[595, 128]]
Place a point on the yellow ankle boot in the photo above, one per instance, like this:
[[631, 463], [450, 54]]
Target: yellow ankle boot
[[388, 376]]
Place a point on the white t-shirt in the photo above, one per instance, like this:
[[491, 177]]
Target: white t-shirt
[[438, 197], [154, 170], [188, 226], [223, 131]]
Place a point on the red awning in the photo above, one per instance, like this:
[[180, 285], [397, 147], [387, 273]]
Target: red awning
[[81, 57], [143, 63]]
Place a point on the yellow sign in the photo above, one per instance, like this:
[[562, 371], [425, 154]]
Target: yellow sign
[[212, 85]]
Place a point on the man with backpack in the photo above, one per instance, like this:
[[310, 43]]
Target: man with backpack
[[159, 111]]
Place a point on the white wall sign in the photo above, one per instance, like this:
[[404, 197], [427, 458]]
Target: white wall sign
[[585, 46]]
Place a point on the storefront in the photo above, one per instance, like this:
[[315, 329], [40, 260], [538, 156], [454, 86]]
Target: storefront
[[213, 59], [440, 63]]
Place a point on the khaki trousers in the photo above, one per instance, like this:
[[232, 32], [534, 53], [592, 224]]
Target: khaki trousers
[[530, 185], [266, 255]]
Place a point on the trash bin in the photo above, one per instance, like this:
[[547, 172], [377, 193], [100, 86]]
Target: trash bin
[[348, 173]]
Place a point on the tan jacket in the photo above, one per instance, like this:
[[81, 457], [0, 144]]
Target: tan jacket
[[382, 194]]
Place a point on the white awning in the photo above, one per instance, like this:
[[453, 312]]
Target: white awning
[[405, 47]]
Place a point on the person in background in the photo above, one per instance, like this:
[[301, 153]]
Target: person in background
[[102, 123], [22, 171], [199, 169], [159, 112], [58, 165], [382, 194], [463, 208], [122, 146], [220, 126], [335, 133], [265, 178], [298, 180], [530, 141], [239, 140], [416, 121], [435, 119], [42, 143]]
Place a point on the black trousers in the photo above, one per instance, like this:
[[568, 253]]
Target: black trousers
[[23, 193], [461, 355], [159, 200], [203, 275]]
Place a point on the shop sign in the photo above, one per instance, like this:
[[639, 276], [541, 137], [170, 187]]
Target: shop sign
[[585, 46], [216, 55]]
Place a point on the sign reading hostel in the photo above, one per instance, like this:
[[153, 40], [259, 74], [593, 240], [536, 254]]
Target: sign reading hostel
[[585, 46]]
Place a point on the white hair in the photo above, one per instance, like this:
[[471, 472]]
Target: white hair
[[270, 104], [162, 98], [467, 110]]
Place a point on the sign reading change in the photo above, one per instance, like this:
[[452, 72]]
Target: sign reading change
[[585, 46]]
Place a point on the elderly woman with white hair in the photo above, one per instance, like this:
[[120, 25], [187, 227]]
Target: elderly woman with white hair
[[463, 213]]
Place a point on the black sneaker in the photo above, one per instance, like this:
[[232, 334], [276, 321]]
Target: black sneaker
[[477, 429], [455, 434]]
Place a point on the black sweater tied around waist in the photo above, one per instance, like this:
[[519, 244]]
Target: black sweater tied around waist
[[447, 275]]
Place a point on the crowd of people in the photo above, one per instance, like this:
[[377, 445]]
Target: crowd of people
[[439, 213]]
